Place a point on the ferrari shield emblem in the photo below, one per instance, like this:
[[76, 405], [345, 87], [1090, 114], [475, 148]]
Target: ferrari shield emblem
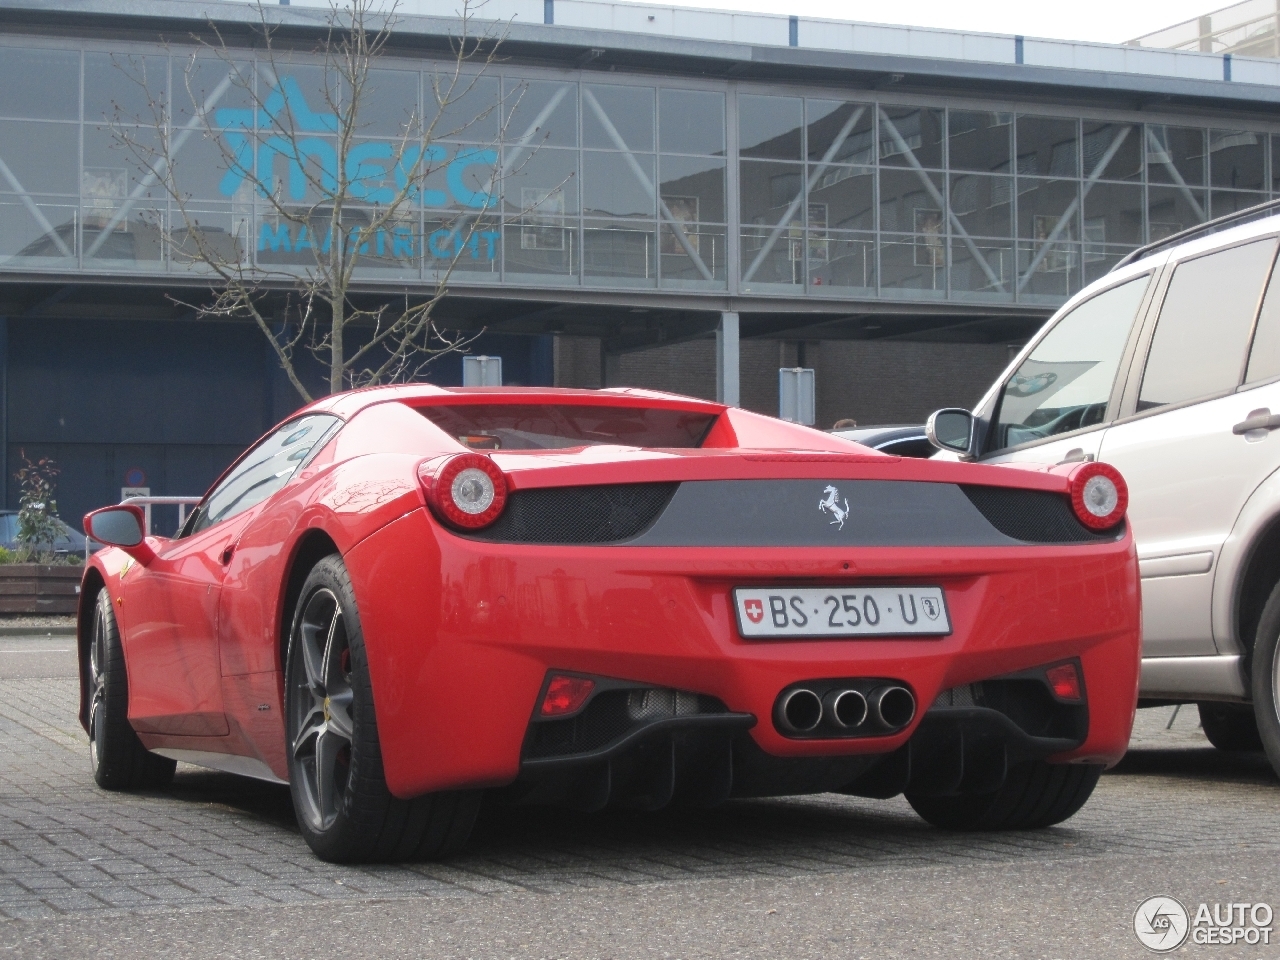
[[755, 610], [931, 608]]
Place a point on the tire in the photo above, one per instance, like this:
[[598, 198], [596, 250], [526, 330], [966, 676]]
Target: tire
[[119, 760], [1231, 727], [1034, 795], [1265, 671], [345, 811]]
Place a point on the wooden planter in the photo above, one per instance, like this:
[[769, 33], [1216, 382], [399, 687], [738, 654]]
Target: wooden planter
[[38, 588]]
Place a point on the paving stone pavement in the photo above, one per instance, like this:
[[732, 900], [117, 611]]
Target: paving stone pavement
[[213, 841]]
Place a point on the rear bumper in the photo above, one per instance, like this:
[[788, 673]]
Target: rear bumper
[[461, 635]]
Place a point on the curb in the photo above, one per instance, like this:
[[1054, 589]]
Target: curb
[[11, 630]]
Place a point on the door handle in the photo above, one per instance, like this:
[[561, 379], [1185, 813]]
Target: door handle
[[226, 554], [1262, 419]]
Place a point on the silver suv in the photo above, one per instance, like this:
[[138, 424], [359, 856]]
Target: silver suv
[[1169, 369]]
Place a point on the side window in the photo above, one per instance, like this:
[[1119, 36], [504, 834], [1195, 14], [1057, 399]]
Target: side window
[[1203, 331], [1264, 357], [264, 470], [1066, 381]]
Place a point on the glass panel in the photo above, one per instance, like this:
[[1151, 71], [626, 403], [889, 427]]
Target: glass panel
[[1042, 204], [206, 170], [540, 112], [1275, 163], [917, 130], [548, 427], [389, 106], [1175, 153], [779, 259], [983, 205], [1049, 271], [1189, 356], [137, 239], [545, 179], [983, 268], [1065, 383], [39, 157], [296, 168], [1222, 202], [130, 89], [213, 86], [841, 132], [907, 206], [690, 121], [842, 260], [1113, 213], [767, 191], [612, 187], [220, 235], [1237, 159], [541, 241], [1112, 151], [917, 264], [113, 171], [1264, 355], [770, 127], [979, 141], [388, 246], [1170, 209], [43, 84], [679, 266], [844, 198], [692, 188], [1047, 146], [463, 177], [1099, 259], [468, 244], [628, 110], [465, 108], [33, 229], [620, 251]]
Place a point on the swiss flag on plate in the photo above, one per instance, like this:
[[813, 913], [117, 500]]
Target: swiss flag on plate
[[755, 610]]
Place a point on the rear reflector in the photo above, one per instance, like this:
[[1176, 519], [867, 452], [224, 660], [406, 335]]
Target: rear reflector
[[565, 695], [1064, 680]]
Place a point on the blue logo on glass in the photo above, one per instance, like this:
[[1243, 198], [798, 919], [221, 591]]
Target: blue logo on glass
[[368, 168]]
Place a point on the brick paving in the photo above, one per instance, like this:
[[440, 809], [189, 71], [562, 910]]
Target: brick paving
[[215, 841]]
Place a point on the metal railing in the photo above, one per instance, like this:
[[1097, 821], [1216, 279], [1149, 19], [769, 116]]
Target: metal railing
[[148, 502]]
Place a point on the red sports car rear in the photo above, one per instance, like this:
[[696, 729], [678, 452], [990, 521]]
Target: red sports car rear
[[405, 596]]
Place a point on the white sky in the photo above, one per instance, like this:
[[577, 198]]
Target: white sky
[[1104, 21]]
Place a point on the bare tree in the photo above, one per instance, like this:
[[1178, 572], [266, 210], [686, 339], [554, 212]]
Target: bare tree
[[331, 179]]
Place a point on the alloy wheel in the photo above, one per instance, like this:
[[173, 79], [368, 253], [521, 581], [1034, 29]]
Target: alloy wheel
[[97, 683], [321, 709]]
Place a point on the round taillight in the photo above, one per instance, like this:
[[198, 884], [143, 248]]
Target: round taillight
[[1099, 495], [467, 491]]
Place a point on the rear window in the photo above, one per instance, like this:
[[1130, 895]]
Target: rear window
[[554, 426]]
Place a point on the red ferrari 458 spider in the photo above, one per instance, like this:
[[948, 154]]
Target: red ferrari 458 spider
[[405, 596]]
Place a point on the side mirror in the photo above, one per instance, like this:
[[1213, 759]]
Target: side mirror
[[950, 429], [122, 526]]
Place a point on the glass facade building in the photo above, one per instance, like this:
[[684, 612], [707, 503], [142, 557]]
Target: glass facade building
[[621, 182]]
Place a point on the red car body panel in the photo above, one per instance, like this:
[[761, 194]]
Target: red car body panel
[[461, 633]]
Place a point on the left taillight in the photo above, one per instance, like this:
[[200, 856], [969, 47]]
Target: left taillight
[[467, 491], [1099, 495]]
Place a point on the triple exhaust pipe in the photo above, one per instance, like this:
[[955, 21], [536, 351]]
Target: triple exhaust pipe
[[845, 710]]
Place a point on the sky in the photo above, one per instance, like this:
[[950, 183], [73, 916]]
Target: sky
[[1104, 21]]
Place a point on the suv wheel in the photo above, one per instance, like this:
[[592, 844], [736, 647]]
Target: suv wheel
[[1266, 678], [1230, 727]]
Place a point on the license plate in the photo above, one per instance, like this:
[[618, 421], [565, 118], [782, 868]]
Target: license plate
[[841, 612]]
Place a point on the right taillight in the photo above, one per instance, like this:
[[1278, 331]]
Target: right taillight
[[467, 491], [1099, 495]]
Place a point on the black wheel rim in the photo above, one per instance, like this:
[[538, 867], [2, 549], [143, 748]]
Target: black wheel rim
[[320, 710], [97, 685]]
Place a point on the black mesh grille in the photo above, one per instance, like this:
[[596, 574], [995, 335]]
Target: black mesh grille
[[1034, 516], [604, 514], [612, 714]]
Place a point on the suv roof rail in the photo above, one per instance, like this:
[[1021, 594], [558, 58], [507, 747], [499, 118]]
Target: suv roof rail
[[1203, 230]]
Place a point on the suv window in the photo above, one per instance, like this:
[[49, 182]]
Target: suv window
[[1066, 381], [264, 470], [1264, 357], [1203, 331]]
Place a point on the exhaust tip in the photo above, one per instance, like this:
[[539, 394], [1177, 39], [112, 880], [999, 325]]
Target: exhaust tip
[[892, 707], [844, 709], [798, 711]]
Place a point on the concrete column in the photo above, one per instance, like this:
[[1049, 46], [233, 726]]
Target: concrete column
[[727, 368], [4, 411]]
